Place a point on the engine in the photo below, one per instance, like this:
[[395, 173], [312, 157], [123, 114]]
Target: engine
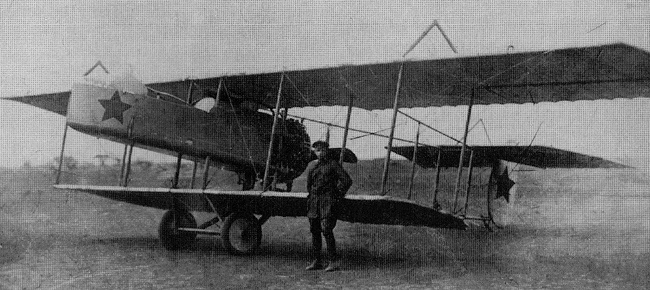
[[292, 151]]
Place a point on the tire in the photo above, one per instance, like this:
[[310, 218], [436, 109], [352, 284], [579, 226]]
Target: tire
[[170, 237], [241, 234]]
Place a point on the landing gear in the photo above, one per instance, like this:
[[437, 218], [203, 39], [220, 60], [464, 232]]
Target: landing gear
[[241, 233], [168, 231]]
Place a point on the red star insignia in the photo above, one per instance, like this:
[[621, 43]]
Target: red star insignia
[[114, 108], [504, 184]]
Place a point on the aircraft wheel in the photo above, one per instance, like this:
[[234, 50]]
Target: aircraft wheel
[[241, 234], [170, 237]]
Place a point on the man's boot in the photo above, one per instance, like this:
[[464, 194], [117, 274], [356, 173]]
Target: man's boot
[[332, 257], [315, 265], [334, 265]]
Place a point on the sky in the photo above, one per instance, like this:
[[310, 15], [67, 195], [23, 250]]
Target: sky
[[48, 45]]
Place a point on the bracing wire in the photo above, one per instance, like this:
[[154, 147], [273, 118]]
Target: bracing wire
[[241, 132], [523, 153], [298, 90], [486, 131]]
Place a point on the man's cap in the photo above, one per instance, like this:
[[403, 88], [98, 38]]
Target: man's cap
[[321, 144]]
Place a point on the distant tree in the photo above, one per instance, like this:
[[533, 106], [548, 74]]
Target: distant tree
[[69, 162], [27, 164], [102, 159], [143, 164]]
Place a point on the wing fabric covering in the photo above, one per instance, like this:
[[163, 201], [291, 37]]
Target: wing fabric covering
[[372, 209], [571, 74], [587, 73], [537, 156]]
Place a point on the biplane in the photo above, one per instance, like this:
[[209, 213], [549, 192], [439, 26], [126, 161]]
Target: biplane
[[242, 123]]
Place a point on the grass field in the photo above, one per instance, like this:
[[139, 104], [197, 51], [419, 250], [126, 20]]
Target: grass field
[[565, 229]]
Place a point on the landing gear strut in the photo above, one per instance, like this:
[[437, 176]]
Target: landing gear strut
[[241, 233]]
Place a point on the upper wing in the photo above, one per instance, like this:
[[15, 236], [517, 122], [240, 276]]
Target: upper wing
[[586, 73], [537, 156]]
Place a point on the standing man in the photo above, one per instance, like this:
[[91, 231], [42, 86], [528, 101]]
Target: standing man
[[327, 184]]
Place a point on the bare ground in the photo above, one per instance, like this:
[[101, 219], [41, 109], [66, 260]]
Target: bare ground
[[566, 229]]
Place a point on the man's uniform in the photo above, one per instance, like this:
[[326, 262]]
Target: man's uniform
[[327, 183]]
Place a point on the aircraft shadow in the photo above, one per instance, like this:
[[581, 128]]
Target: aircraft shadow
[[401, 248], [353, 257]]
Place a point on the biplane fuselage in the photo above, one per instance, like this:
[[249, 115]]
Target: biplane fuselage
[[234, 136]]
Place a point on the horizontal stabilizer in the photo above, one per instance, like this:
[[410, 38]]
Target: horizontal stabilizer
[[486, 156], [370, 209], [56, 102]]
